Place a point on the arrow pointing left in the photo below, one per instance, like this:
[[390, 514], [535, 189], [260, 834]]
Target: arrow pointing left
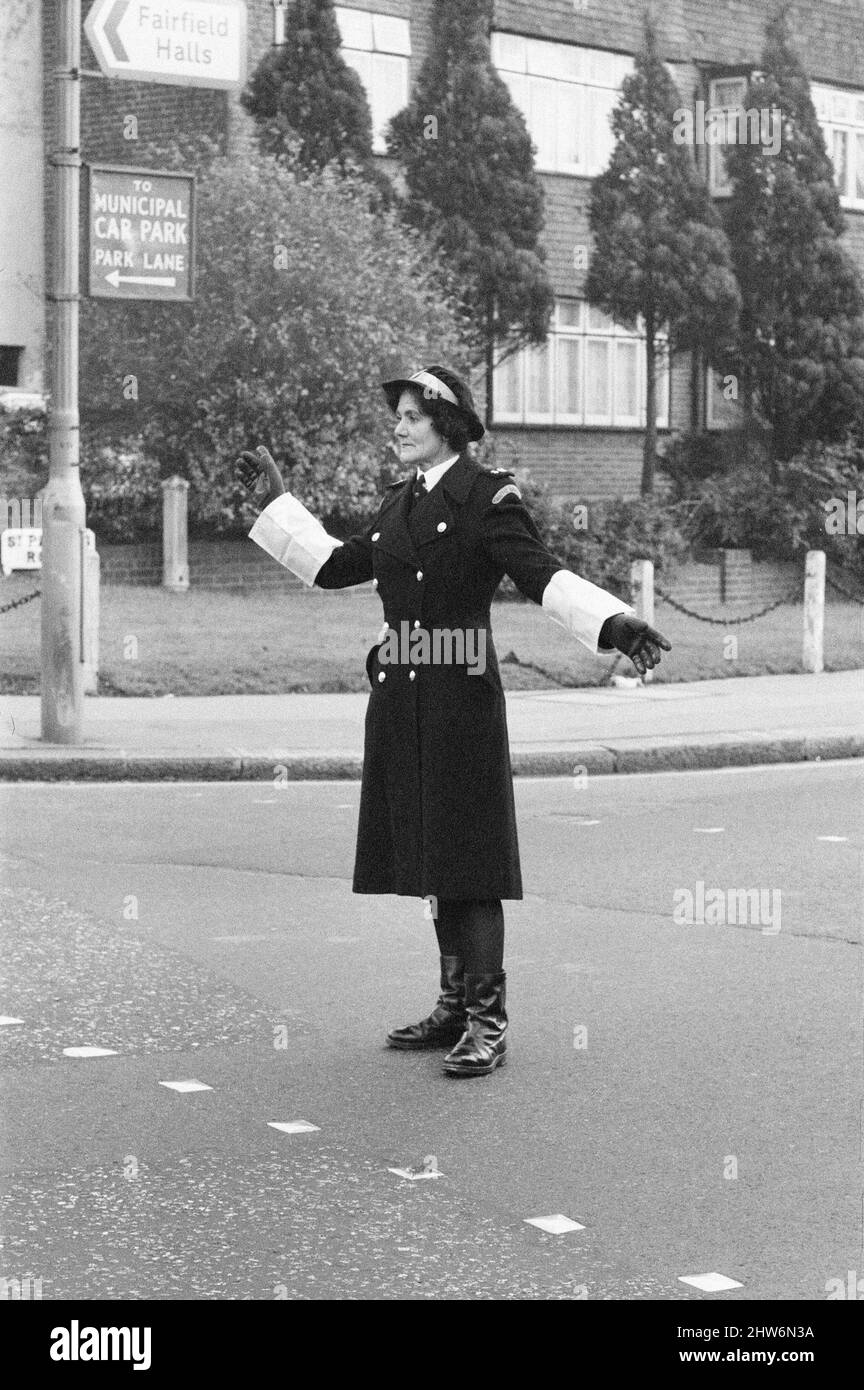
[[115, 278], [112, 24]]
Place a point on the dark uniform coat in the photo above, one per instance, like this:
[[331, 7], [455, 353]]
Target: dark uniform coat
[[436, 807]]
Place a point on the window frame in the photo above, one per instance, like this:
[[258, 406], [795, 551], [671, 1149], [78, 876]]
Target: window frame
[[716, 163], [519, 61], [827, 99], [374, 26], [610, 334]]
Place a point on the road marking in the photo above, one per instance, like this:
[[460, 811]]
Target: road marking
[[709, 829], [833, 839], [557, 1225], [294, 1126], [264, 936], [5, 1021], [89, 1052], [709, 1283], [415, 1177], [185, 1086]]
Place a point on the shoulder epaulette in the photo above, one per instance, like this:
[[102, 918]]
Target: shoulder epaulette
[[499, 472]]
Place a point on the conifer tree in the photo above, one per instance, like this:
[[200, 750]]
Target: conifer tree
[[471, 184], [799, 350], [304, 95], [660, 257]]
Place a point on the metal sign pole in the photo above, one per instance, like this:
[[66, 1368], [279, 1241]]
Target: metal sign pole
[[63, 514]]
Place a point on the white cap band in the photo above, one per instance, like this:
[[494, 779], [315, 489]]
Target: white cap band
[[435, 386]]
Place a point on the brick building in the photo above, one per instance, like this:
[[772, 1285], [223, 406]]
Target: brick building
[[572, 411]]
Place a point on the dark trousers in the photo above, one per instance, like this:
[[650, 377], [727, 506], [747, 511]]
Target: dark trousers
[[473, 930]]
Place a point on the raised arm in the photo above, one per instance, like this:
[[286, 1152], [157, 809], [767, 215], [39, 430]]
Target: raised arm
[[289, 532]]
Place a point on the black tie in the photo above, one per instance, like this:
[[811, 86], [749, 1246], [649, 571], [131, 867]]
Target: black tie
[[418, 490]]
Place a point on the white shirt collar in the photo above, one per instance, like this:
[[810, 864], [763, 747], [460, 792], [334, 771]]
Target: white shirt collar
[[434, 475]]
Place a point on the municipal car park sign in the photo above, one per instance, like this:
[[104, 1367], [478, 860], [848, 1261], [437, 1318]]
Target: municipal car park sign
[[141, 226], [193, 43]]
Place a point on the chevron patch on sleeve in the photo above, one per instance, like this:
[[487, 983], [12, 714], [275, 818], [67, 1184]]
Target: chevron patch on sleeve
[[511, 488]]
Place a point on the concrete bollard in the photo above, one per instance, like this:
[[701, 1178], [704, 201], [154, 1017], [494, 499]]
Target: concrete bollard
[[642, 589], [90, 617], [813, 658], [175, 538]]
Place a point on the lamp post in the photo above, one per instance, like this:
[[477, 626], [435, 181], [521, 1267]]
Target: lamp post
[[63, 513]]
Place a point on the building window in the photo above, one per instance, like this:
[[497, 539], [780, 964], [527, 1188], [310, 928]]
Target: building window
[[566, 95], [727, 97], [841, 116], [590, 371], [378, 48], [10, 365]]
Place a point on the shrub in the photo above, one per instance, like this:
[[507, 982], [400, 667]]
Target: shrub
[[121, 492], [23, 453], [736, 505], [306, 300]]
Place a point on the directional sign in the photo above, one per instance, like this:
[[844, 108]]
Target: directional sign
[[194, 43], [141, 233]]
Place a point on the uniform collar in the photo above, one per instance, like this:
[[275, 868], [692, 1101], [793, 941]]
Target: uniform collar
[[434, 475]]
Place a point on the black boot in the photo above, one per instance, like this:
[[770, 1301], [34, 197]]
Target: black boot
[[483, 1045], [446, 1023]]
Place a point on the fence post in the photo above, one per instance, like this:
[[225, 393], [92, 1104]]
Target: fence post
[[90, 642], [814, 612], [642, 589], [175, 540]]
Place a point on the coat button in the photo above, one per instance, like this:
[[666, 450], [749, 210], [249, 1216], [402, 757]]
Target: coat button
[[382, 675], [374, 583], [419, 574], [442, 525], [412, 675], [375, 535]]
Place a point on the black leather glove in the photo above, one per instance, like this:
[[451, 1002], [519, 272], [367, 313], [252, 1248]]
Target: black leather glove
[[635, 639], [260, 476]]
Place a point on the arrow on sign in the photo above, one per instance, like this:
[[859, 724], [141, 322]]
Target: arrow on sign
[[193, 43], [115, 278], [111, 26]]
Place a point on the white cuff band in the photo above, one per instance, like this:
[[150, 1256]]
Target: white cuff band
[[294, 537], [580, 606]]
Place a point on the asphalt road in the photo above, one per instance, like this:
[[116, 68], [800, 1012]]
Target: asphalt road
[[687, 1093]]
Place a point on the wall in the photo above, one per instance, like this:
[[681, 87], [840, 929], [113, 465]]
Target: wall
[[22, 281], [238, 565]]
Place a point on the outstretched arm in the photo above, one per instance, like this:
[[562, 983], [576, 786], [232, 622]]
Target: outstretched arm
[[596, 618]]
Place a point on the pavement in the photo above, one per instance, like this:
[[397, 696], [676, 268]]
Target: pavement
[[735, 722]]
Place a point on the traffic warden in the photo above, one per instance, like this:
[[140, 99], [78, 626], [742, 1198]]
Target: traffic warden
[[437, 817]]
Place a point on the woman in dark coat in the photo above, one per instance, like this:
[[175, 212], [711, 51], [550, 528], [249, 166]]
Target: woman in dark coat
[[437, 817]]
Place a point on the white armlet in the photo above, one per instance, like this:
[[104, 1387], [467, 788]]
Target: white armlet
[[293, 536], [580, 606]]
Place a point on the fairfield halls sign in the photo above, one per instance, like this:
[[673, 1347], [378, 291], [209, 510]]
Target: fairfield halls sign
[[194, 43]]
